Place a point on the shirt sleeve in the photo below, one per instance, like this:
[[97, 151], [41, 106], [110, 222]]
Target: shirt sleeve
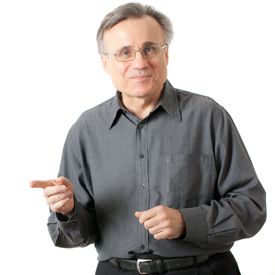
[[81, 229], [238, 209]]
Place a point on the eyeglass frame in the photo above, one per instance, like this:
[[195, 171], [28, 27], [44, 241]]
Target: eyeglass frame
[[135, 51]]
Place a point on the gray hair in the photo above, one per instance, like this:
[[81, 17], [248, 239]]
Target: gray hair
[[133, 10]]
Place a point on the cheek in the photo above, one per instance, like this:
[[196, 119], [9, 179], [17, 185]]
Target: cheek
[[118, 75], [118, 69], [161, 70]]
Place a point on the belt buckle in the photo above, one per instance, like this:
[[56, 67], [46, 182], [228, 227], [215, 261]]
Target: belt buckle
[[142, 261]]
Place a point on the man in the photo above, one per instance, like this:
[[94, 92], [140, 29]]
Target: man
[[158, 178]]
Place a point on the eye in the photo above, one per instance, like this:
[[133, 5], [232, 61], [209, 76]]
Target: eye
[[150, 49], [125, 53]]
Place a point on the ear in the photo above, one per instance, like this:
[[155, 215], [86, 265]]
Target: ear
[[104, 60], [166, 54]]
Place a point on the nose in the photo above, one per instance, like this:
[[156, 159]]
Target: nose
[[139, 62]]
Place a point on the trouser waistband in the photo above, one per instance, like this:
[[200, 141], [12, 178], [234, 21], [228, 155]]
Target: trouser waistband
[[148, 266]]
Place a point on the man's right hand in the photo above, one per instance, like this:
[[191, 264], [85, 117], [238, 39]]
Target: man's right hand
[[58, 194]]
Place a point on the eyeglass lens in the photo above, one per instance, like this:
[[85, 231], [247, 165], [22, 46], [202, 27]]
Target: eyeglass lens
[[147, 52]]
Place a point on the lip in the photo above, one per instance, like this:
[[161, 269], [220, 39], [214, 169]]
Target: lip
[[140, 77]]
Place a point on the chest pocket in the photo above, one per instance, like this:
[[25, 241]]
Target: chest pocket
[[188, 176]]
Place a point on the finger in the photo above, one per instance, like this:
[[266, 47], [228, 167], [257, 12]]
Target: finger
[[52, 200], [156, 230], [59, 206], [138, 214], [41, 183], [161, 236], [151, 223], [61, 181], [147, 215], [54, 190], [161, 231]]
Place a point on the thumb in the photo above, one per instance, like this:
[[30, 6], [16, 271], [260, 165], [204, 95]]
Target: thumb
[[63, 181]]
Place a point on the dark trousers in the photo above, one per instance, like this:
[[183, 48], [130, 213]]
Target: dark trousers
[[221, 264]]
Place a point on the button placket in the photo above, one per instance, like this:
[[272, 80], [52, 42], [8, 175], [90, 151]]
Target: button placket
[[142, 181]]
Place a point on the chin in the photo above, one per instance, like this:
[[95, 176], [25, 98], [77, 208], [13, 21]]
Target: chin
[[142, 93], [143, 89]]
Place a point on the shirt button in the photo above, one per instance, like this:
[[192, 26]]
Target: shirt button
[[142, 247], [140, 126], [141, 156], [142, 186]]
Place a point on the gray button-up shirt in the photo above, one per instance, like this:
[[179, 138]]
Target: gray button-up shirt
[[187, 155]]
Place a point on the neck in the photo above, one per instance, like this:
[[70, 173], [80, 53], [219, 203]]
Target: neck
[[140, 107]]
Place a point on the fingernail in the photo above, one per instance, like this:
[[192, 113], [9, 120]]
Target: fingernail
[[63, 188]]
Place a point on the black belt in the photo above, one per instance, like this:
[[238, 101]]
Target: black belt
[[148, 266]]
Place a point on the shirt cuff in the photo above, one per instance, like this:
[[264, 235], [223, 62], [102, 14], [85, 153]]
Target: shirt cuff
[[71, 227], [196, 225]]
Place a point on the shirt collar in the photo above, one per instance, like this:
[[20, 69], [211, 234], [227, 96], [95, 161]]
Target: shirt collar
[[168, 101]]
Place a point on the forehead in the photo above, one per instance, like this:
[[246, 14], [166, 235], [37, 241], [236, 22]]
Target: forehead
[[134, 33]]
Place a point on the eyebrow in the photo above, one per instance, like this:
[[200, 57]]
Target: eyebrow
[[145, 44], [124, 48], [149, 43]]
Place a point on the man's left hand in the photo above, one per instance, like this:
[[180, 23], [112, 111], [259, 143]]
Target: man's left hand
[[163, 222]]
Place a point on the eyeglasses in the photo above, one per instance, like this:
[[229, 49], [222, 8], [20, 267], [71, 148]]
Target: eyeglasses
[[130, 54]]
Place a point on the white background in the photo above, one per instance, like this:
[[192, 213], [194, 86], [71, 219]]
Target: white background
[[50, 73]]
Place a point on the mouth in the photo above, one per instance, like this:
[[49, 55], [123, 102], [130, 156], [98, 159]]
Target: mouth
[[140, 77]]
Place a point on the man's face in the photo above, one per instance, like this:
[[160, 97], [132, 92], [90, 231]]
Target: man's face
[[139, 78]]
